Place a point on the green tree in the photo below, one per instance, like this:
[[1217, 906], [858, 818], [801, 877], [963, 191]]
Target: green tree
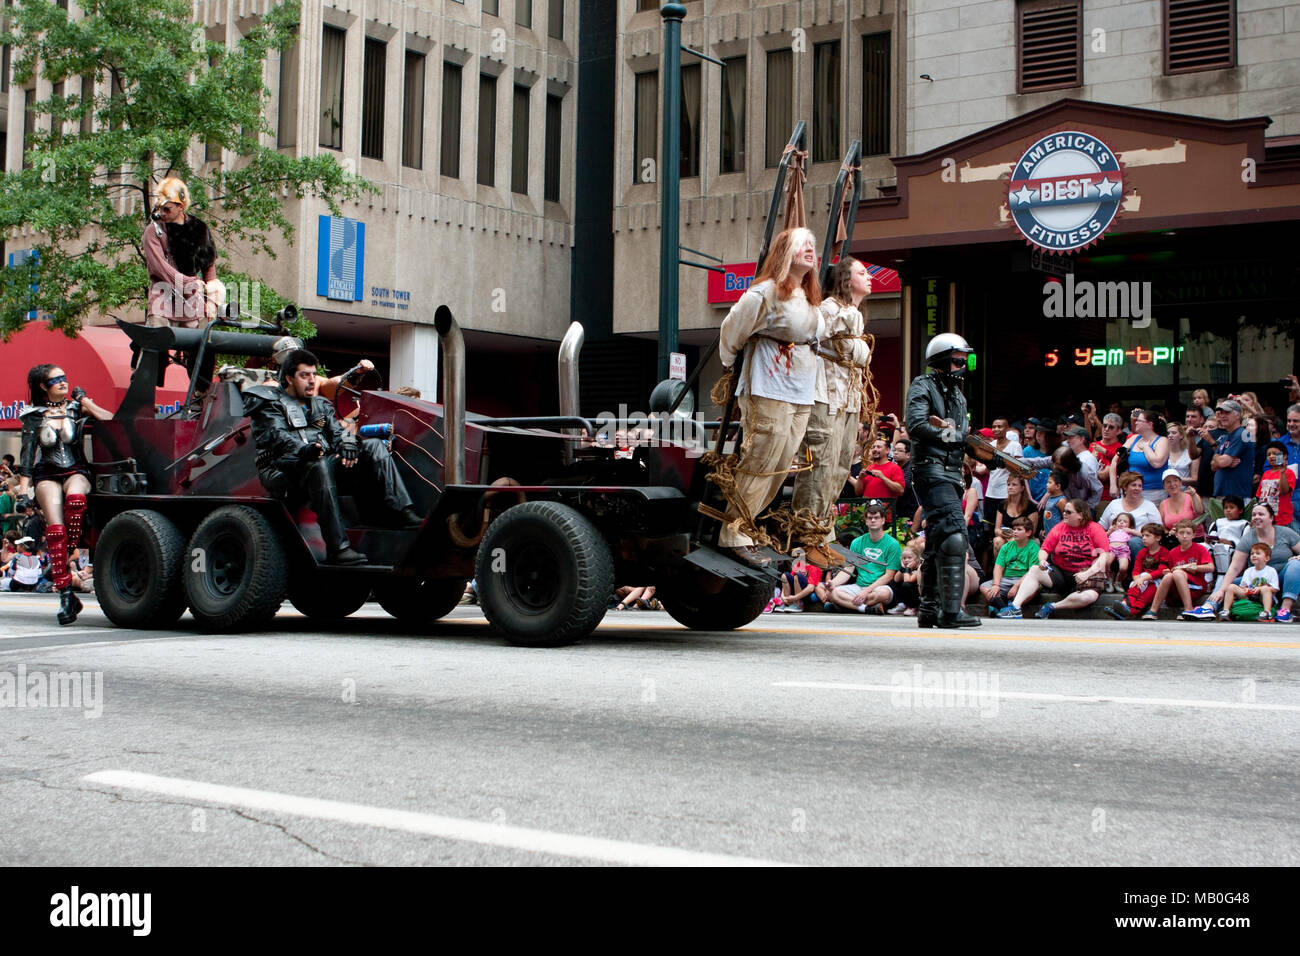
[[162, 90]]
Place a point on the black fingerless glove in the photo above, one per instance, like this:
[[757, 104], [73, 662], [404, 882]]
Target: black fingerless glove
[[310, 452], [349, 448]]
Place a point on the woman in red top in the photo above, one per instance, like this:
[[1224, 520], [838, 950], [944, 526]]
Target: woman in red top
[[1079, 553]]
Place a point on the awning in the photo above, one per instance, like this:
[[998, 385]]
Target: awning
[[98, 360]]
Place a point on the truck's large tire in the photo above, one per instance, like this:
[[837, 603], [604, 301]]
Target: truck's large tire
[[544, 575], [692, 602], [138, 562], [328, 597], [235, 573], [417, 602]]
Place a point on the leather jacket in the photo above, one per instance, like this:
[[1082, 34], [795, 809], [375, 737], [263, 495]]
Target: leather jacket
[[282, 425], [51, 444], [932, 449]]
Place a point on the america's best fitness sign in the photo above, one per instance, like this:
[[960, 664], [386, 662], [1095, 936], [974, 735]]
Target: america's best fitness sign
[[1065, 191]]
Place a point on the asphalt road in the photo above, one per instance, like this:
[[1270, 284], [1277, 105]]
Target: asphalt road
[[829, 739]]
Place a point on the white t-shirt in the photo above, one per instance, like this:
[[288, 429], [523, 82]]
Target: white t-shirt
[[773, 370], [1144, 513], [27, 568], [998, 476], [1251, 578]]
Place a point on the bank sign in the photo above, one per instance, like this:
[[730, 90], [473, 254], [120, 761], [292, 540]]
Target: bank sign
[[1065, 191], [340, 258]]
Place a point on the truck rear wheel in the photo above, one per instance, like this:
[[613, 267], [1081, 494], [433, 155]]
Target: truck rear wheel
[[235, 573], [544, 574], [328, 597], [419, 602], [692, 602], [139, 558]]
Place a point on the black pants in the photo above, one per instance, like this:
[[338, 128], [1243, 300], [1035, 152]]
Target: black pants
[[373, 476], [940, 492]]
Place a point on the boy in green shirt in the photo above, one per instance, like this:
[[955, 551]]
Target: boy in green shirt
[[884, 558], [1015, 559]]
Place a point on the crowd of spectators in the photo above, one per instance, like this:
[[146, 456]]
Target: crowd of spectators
[[1199, 511], [24, 563]]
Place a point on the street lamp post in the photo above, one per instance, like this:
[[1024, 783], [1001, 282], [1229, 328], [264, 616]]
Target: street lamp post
[[670, 184]]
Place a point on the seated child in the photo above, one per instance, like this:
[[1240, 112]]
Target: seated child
[[906, 587], [1015, 558], [1051, 507], [1225, 534], [1121, 529], [1152, 565], [1257, 583], [1189, 563], [799, 584]]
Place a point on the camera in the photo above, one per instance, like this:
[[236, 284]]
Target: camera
[[1284, 381]]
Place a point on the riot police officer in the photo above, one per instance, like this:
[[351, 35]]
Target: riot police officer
[[936, 423], [299, 443]]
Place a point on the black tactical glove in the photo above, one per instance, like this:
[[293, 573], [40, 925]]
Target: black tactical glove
[[349, 448], [311, 452], [78, 394]]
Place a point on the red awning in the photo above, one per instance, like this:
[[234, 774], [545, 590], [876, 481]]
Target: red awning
[[730, 284], [98, 360]]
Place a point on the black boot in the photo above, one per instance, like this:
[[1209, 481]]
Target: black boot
[[927, 614], [69, 606], [952, 581]]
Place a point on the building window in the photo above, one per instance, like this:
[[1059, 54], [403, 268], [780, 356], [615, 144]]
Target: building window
[[87, 104], [413, 111], [555, 19], [287, 132], [29, 125], [780, 103], [691, 132], [554, 118], [493, 7], [646, 5], [645, 145], [1199, 35], [212, 148], [826, 102], [487, 130], [56, 126], [331, 88], [877, 107], [450, 135], [372, 99], [733, 115], [519, 145], [1050, 43], [4, 69], [524, 13]]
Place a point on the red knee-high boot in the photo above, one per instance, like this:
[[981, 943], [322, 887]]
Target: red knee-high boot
[[74, 510], [56, 543]]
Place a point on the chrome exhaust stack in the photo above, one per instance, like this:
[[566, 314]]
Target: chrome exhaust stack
[[453, 396], [567, 365]]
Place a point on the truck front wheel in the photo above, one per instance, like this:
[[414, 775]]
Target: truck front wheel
[[139, 558], [544, 574]]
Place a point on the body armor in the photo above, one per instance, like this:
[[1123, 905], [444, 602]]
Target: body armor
[[52, 443], [282, 425], [936, 449]]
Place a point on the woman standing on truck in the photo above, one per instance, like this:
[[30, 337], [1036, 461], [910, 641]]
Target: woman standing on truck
[[52, 459], [182, 261], [776, 324]]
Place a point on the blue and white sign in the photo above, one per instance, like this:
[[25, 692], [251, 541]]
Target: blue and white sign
[[1065, 191], [341, 258]]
